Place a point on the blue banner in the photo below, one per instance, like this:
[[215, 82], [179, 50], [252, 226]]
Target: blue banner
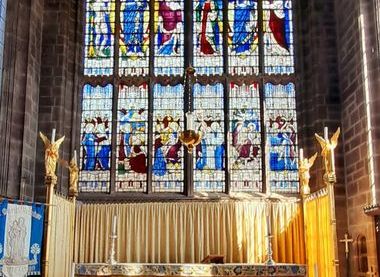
[[21, 233]]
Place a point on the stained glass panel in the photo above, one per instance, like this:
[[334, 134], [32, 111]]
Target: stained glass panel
[[169, 37], [278, 36], [245, 138], [95, 138], [243, 41], [132, 138], [168, 114], [134, 37], [208, 38], [99, 37], [209, 156], [281, 124]]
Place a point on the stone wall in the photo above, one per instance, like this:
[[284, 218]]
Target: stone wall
[[59, 94], [354, 74], [19, 96]]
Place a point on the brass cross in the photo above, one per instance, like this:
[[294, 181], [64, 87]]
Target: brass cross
[[346, 242]]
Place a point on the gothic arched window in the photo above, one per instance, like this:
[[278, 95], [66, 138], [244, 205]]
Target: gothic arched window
[[134, 96], [362, 255]]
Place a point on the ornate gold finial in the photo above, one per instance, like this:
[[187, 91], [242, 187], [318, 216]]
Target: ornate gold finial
[[74, 173], [51, 155], [327, 153], [304, 172]]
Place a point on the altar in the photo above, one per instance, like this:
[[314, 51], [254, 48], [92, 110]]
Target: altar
[[130, 269]]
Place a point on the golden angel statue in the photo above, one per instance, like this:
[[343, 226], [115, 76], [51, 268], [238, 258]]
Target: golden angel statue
[[74, 173], [327, 153], [51, 154], [304, 172]]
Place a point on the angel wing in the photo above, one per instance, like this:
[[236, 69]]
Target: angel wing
[[322, 142], [334, 138], [58, 142], [312, 159], [64, 163], [44, 139]]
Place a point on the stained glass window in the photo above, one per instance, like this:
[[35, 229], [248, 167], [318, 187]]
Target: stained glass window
[[99, 37], [96, 138], [134, 37], [208, 36], [245, 138], [132, 138], [278, 36], [167, 149], [243, 40], [242, 93], [281, 124], [210, 153], [169, 37]]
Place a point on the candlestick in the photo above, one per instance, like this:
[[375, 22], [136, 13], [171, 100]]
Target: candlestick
[[326, 133], [75, 156], [53, 136], [301, 154]]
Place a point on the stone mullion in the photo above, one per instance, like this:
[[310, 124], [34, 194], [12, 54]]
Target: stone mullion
[[226, 102], [116, 83], [261, 83], [150, 99]]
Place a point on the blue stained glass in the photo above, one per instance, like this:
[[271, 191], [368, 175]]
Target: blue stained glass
[[134, 37], [132, 138], [96, 138], [208, 39], [167, 167], [281, 124], [209, 156], [99, 37], [245, 138], [243, 39], [169, 37], [278, 37]]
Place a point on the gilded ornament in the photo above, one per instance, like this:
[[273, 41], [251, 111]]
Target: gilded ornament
[[51, 154]]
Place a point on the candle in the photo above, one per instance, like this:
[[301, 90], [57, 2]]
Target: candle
[[269, 227], [53, 136], [114, 219], [75, 156], [190, 120], [301, 154], [326, 133]]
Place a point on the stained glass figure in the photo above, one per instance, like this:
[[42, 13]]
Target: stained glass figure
[[169, 37], [96, 138], [278, 36], [245, 138], [209, 154], [134, 37], [208, 39], [168, 151], [243, 52], [99, 37], [132, 138], [281, 124]]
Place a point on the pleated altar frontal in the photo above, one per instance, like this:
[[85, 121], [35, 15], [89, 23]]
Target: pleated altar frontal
[[102, 269]]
